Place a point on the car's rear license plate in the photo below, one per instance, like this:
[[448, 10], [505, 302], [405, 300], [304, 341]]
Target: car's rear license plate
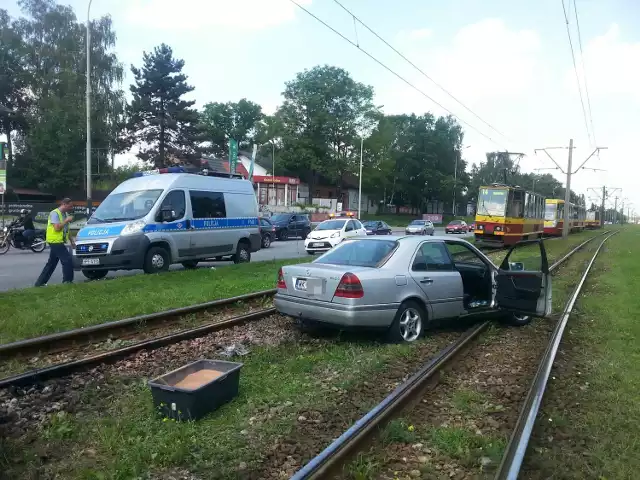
[[317, 244], [90, 261], [301, 284]]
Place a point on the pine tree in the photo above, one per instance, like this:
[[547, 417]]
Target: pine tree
[[161, 123]]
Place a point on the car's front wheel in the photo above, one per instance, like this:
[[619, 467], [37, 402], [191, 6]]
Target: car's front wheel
[[311, 252], [517, 320], [266, 241], [408, 324], [95, 274]]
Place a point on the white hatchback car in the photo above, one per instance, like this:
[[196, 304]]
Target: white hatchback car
[[331, 232]]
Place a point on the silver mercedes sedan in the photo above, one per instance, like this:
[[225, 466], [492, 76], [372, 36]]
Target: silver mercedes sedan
[[401, 284]]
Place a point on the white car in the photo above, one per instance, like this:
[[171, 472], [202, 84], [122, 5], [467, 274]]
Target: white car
[[331, 232]]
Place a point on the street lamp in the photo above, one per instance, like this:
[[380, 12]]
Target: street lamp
[[88, 98], [455, 181], [360, 178]]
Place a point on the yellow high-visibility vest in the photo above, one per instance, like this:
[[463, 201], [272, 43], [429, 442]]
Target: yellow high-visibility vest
[[53, 236]]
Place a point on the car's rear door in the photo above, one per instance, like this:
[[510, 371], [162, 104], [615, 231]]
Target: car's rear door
[[523, 280], [434, 272]]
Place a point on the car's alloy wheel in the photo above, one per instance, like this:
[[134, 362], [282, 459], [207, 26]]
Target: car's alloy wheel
[[408, 324]]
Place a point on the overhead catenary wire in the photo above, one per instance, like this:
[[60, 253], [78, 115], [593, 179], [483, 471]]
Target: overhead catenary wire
[[584, 72], [575, 69], [396, 74], [355, 18]]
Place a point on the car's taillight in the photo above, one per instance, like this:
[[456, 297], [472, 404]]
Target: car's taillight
[[273, 229], [349, 287], [281, 283]]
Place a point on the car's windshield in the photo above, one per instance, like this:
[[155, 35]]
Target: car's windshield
[[125, 206], [418, 222], [331, 225], [370, 224], [359, 253], [492, 201], [455, 222], [550, 211], [280, 218]]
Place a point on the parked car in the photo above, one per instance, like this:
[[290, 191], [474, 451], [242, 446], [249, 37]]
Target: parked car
[[268, 232], [457, 226], [420, 227], [291, 225], [401, 284], [375, 227], [331, 232]]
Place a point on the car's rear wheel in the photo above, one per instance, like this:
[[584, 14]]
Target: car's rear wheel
[[408, 324]]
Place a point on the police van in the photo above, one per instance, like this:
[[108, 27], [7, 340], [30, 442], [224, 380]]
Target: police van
[[168, 216]]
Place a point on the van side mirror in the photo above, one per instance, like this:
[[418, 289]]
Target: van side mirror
[[167, 215]]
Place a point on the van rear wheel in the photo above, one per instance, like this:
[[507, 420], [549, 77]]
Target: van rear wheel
[[243, 253], [156, 260]]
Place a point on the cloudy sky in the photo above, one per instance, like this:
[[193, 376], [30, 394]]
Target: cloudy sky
[[508, 61]]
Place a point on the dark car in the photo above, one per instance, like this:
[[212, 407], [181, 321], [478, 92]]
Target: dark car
[[374, 227], [457, 226], [291, 225], [268, 232]]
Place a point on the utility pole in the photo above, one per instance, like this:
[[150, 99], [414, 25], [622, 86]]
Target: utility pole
[[360, 178], [615, 209], [569, 172], [606, 194], [88, 101]]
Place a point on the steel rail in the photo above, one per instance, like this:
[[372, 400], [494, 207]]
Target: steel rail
[[62, 369], [516, 448], [341, 448], [31, 344]]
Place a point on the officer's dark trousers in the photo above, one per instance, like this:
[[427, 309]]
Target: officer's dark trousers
[[57, 251]]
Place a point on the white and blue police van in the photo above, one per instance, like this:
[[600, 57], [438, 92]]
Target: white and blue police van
[[167, 216]]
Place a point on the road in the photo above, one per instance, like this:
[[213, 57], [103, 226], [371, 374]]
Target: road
[[20, 269]]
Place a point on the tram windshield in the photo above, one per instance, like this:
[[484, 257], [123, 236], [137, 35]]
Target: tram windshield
[[550, 211], [492, 201]]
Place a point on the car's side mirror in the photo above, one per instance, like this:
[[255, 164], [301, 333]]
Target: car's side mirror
[[167, 215], [291, 220], [516, 266]]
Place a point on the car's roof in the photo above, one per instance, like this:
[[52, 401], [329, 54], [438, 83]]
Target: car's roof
[[409, 239]]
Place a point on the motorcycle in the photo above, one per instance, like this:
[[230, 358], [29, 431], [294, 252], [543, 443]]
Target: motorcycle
[[11, 236]]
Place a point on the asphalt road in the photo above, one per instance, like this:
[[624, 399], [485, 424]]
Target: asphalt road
[[20, 269]]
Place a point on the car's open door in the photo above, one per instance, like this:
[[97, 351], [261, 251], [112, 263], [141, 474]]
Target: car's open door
[[523, 281]]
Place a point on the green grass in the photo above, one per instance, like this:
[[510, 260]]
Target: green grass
[[465, 446], [399, 430], [594, 403], [32, 312], [128, 438]]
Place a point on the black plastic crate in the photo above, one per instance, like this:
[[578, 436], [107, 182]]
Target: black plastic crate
[[181, 403]]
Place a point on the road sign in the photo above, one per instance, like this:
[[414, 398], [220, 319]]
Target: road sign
[[233, 155], [3, 167]]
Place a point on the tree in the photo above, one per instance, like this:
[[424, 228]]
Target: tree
[[324, 114], [50, 149], [161, 123], [237, 120]]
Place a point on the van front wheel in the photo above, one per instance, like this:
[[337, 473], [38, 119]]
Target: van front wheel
[[157, 260], [243, 254]]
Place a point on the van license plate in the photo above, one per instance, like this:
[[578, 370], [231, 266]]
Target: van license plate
[[318, 244], [301, 284], [90, 261]]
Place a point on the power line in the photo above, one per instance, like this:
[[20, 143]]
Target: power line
[[584, 72], [390, 70], [419, 69], [575, 69]]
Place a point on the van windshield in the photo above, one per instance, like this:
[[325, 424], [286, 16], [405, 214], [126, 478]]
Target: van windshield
[[119, 207]]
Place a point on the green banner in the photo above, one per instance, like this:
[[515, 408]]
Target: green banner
[[4, 153], [233, 155]]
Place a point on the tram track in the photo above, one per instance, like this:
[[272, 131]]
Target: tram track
[[333, 459]]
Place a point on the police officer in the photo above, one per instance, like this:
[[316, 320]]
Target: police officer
[[57, 235]]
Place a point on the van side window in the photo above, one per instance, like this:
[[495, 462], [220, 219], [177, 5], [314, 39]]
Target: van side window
[[173, 201], [207, 204]]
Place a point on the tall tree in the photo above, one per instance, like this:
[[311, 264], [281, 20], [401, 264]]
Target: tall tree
[[161, 123], [237, 120], [324, 114], [50, 152]]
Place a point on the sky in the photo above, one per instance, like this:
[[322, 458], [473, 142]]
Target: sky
[[508, 62]]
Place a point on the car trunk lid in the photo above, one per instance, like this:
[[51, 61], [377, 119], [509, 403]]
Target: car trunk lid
[[316, 280]]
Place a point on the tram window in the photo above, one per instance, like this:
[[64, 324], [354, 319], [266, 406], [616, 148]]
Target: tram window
[[516, 205]]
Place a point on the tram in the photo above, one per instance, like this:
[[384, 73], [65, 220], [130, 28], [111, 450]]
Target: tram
[[506, 215], [593, 220], [554, 217]]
